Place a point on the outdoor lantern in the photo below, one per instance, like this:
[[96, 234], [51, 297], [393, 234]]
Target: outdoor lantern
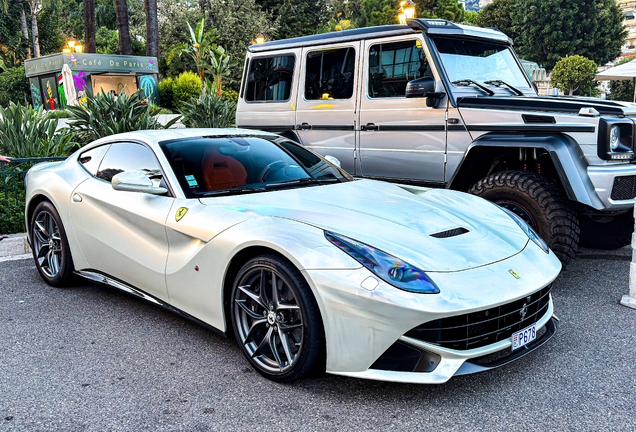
[[79, 49], [66, 50], [406, 11], [71, 44], [260, 39]]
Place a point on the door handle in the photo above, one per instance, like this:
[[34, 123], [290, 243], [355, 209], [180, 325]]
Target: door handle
[[304, 126], [370, 127]]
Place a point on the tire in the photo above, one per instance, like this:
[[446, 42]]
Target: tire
[[606, 231], [282, 336], [540, 202], [51, 251]]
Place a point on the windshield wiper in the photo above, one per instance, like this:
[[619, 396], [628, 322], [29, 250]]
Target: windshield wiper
[[498, 83], [467, 82], [301, 181], [237, 190]]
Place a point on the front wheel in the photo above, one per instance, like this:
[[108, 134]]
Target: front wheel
[[538, 201], [606, 231], [51, 251], [276, 319]]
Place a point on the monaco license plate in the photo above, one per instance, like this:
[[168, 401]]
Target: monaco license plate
[[524, 337]]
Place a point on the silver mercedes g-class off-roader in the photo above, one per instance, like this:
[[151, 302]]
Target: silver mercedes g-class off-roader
[[439, 104]]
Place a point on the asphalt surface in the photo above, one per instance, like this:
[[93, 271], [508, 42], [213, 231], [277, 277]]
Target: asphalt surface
[[89, 358]]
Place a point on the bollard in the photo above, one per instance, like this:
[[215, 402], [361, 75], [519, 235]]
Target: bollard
[[629, 300]]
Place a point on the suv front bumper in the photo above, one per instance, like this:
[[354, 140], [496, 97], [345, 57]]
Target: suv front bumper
[[615, 185]]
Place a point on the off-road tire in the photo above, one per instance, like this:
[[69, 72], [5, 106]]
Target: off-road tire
[[543, 200], [606, 232]]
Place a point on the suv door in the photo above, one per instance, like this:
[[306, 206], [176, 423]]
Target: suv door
[[400, 138], [122, 234], [326, 104]]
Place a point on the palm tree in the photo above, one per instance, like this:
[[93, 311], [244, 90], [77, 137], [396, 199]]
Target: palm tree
[[152, 28], [197, 48], [121, 9], [89, 26]]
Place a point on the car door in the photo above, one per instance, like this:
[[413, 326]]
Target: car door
[[327, 98], [122, 234], [400, 138]]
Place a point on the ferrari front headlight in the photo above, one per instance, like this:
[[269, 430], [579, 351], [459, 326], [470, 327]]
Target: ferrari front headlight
[[390, 269], [532, 234]]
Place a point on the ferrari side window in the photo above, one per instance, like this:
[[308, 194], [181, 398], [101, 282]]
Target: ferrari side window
[[91, 159], [129, 157]]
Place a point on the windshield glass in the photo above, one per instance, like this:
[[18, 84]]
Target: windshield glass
[[479, 61], [207, 166]]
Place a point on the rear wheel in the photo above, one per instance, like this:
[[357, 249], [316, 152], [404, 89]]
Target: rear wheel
[[51, 251], [538, 201], [606, 231], [276, 319]]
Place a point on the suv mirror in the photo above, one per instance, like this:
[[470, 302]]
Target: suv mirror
[[334, 160], [424, 87], [136, 181]]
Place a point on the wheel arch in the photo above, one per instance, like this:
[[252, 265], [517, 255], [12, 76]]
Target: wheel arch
[[565, 154], [30, 208]]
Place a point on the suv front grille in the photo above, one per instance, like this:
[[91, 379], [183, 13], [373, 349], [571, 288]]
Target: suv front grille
[[624, 188], [478, 329]]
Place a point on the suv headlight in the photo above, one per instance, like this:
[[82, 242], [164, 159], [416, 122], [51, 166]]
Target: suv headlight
[[390, 269], [532, 234], [615, 139]]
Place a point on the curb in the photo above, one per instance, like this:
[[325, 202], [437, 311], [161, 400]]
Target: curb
[[14, 244]]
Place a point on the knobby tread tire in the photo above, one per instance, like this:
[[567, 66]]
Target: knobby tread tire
[[556, 222]]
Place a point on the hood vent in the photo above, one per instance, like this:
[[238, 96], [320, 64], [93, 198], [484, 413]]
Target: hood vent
[[533, 118], [450, 233]]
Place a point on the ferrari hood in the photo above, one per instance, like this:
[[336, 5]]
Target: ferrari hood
[[435, 230]]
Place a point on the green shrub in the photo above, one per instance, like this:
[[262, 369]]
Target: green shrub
[[166, 97], [26, 132], [104, 115], [14, 87], [208, 111], [185, 87], [230, 95], [11, 216]]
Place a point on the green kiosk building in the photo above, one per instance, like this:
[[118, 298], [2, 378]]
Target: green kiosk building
[[91, 73]]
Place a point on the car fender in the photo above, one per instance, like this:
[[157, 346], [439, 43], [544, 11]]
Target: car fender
[[566, 155]]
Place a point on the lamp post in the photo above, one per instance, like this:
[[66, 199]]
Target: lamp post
[[406, 11]]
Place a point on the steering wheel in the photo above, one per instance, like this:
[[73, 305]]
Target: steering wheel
[[271, 168]]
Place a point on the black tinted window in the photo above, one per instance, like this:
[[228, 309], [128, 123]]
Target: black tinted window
[[270, 78], [129, 157], [91, 159], [329, 74], [393, 65]]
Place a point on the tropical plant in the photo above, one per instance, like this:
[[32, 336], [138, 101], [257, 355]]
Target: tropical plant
[[103, 114], [152, 28], [89, 26], [184, 88], [26, 132], [208, 111], [574, 74], [220, 66], [123, 26], [197, 48], [14, 86]]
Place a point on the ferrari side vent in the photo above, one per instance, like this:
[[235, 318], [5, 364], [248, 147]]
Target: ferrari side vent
[[450, 233]]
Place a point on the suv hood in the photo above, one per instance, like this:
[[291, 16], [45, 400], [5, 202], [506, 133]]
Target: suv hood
[[394, 220], [557, 104]]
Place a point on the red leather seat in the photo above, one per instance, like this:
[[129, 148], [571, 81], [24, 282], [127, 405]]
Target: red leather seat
[[221, 171]]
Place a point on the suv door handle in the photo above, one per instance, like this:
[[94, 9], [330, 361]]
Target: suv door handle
[[370, 127], [304, 126]]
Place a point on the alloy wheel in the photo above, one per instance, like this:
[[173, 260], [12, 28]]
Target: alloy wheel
[[47, 244]]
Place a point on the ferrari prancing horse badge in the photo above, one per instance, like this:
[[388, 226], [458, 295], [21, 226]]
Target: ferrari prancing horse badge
[[180, 213]]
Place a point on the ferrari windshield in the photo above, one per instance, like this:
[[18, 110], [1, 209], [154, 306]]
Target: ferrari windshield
[[480, 61], [212, 166]]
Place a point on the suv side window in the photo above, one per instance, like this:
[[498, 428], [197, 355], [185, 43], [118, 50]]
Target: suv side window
[[270, 78], [392, 65], [129, 157], [91, 159], [329, 74]]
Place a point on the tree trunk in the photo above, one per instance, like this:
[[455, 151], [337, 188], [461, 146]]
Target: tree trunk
[[35, 33], [24, 28], [121, 9], [89, 26], [152, 28]]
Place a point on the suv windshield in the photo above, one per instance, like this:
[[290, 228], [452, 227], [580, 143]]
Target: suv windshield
[[227, 165], [479, 61]]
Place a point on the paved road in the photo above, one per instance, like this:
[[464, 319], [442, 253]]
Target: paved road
[[89, 358]]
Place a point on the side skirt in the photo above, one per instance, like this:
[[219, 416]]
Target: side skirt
[[100, 278]]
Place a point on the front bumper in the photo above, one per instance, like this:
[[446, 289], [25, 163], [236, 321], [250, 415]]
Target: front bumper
[[361, 325], [606, 179]]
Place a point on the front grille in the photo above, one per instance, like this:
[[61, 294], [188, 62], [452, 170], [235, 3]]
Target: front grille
[[624, 188], [478, 329]]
